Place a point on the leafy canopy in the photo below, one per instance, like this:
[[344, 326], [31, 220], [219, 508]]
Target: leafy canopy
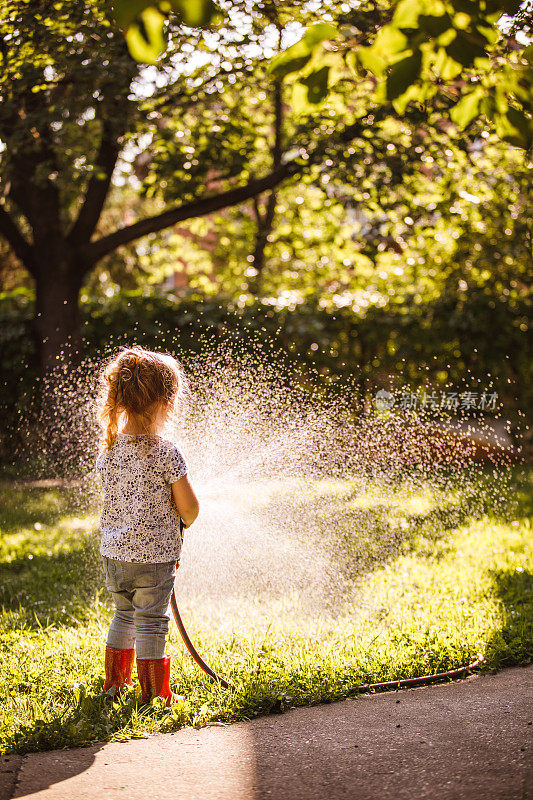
[[456, 47], [426, 44]]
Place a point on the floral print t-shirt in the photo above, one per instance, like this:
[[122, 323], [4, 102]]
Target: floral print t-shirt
[[140, 522]]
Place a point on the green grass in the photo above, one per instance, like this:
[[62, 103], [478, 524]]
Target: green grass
[[440, 585]]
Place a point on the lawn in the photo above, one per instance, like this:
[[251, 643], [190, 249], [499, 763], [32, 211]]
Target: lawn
[[439, 586]]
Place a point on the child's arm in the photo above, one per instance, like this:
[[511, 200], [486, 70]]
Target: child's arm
[[186, 501]]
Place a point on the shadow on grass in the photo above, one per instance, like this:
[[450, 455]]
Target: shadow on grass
[[383, 540], [359, 540], [87, 718], [362, 539], [52, 589], [21, 507], [513, 643]]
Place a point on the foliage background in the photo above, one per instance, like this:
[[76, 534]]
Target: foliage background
[[432, 345], [400, 245]]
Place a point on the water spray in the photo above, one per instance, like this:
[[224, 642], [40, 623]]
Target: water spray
[[321, 497], [404, 683]]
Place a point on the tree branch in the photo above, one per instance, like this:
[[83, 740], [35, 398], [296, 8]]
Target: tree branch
[[93, 251], [95, 196], [180, 98], [278, 122], [257, 210], [17, 241], [265, 221]]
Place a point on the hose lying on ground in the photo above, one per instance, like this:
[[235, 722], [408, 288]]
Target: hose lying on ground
[[421, 681]]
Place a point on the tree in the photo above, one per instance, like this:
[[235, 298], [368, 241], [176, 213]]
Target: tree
[[420, 45], [72, 110], [58, 99], [77, 109], [414, 209]]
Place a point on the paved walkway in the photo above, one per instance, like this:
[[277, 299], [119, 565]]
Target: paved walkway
[[460, 741]]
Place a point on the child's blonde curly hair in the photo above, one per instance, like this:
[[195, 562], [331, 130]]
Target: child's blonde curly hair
[[136, 381]]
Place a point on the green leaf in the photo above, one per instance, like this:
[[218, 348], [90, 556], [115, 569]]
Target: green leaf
[[145, 38], [289, 61], [296, 57], [407, 13], [447, 37], [446, 67], [500, 99], [462, 21], [317, 85], [311, 90], [403, 74], [488, 106], [195, 13], [299, 98], [320, 32], [467, 108], [414, 92], [127, 11], [489, 32], [351, 62], [389, 41], [371, 60]]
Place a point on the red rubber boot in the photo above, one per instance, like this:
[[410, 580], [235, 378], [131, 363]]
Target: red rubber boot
[[154, 677], [118, 666]]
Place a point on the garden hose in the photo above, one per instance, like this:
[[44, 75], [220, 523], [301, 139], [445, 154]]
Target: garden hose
[[185, 636], [421, 681]]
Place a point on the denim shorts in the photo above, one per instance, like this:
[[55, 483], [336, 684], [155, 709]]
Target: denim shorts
[[141, 594]]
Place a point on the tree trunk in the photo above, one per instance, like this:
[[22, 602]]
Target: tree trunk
[[57, 316], [57, 332], [265, 219], [264, 228]]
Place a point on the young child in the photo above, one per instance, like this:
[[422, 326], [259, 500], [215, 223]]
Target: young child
[[146, 491]]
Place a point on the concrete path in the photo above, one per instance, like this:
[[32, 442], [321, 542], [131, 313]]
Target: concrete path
[[462, 741]]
